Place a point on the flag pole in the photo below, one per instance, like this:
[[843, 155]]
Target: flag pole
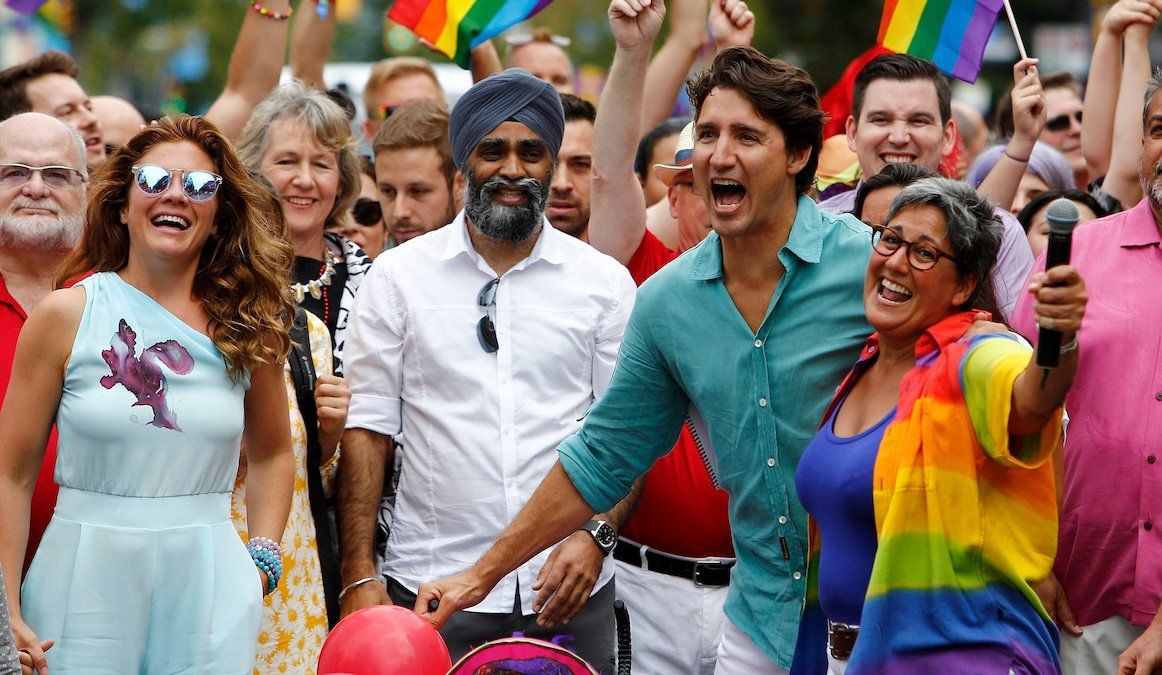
[[1016, 32]]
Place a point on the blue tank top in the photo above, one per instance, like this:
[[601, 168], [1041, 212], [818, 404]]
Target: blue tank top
[[147, 409], [834, 482]]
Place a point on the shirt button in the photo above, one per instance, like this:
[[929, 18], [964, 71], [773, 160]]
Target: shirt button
[[1147, 526], [770, 461], [758, 343], [797, 575], [1158, 396], [1151, 459], [508, 430], [782, 520], [762, 403]]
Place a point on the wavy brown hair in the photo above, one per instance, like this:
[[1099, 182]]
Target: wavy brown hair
[[243, 271]]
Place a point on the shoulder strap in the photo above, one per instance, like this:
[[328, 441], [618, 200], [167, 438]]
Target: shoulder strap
[[303, 374]]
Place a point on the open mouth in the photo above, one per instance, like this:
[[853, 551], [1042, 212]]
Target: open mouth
[[892, 293], [898, 159], [93, 142], [727, 193], [301, 202], [176, 222]]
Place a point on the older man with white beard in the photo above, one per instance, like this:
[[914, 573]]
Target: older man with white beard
[[42, 209], [509, 330]]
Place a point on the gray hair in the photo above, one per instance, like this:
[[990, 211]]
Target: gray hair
[[297, 102], [1152, 88], [974, 229]]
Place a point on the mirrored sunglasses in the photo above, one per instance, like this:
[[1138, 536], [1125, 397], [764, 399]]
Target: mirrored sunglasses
[[367, 212], [154, 180]]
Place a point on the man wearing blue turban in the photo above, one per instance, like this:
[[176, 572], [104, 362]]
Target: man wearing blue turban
[[478, 347]]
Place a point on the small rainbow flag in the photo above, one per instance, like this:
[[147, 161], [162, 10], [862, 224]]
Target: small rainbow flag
[[456, 26], [950, 33]]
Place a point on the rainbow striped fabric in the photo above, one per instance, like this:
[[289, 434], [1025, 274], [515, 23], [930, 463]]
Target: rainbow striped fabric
[[966, 518], [456, 26], [950, 33]]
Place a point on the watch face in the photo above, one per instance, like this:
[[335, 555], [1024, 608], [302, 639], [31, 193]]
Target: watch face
[[605, 536]]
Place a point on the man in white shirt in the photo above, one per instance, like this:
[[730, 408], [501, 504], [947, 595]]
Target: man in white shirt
[[476, 349]]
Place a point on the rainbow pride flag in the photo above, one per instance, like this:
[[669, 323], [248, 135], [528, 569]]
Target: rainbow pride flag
[[950, 33], [456, 26]]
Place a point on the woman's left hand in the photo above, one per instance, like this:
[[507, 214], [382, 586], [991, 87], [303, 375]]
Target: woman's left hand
[[1061, 298], [332, 398]]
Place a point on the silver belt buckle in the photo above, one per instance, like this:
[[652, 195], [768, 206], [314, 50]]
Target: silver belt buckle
[[699, 565]]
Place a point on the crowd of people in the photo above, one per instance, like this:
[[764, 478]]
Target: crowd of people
[[533, 355]]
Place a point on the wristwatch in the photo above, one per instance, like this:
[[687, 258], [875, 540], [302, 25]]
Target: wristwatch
[[602, 533]]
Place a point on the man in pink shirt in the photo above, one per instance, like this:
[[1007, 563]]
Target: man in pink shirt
[[1107, 582]]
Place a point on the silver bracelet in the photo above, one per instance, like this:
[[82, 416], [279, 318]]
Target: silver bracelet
[[1071, 347], [355, 584]]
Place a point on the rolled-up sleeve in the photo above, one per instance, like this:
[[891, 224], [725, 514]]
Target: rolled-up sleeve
[[373, 358], [632, 425]]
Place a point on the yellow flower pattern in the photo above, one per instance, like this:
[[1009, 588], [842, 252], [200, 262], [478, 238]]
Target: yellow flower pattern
[[294, 620]]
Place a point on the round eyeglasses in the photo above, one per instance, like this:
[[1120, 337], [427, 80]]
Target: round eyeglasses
[[154, 180], [920, 254]]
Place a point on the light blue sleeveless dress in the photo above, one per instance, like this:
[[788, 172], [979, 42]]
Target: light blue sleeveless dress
[[141, 570]]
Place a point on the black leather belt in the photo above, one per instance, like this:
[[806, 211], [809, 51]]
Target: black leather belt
[[703, 571], [841, 639]]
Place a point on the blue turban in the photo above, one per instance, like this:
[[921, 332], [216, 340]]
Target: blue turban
[[515, 95]]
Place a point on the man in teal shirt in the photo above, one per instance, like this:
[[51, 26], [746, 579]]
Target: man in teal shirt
[[752, 330]]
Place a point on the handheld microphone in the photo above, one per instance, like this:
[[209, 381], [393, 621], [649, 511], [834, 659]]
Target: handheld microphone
[[1062, 216]]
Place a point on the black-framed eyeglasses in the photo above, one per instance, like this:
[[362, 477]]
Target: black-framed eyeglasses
[[367, 212], [486, 327], [1061, 122], [54, 176], [154, 180], [921, 255]]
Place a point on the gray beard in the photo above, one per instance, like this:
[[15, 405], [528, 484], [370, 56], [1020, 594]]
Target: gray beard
[[41, 233], [1152, 186], [505, 223]]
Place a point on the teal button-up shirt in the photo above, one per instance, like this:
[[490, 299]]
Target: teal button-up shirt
[[761, 397]]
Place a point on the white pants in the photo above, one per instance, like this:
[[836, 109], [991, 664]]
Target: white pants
[[835, 666], [1097, 649], [675, 625], [738, 655]]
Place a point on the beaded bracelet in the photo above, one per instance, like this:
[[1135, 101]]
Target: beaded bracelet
[[267, 556], [277, 16]]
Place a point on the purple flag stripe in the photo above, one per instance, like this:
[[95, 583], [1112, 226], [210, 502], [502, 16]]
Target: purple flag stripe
[[24, 6], [976, 36]]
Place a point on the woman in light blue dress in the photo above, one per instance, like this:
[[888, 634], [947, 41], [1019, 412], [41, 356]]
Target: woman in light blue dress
[[156, 369]]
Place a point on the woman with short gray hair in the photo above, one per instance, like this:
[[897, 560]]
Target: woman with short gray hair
[[301, 141], [929, 483]]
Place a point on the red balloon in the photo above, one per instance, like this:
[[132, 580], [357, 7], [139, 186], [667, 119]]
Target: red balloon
[[384, 641]]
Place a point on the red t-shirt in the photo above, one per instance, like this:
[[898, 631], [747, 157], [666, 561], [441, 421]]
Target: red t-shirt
[[12, 318], [681, 512]]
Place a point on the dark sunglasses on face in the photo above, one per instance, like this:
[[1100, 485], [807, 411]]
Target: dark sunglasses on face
[[154, 180], [1061, 122], [385, 111], [486, 328], [367, 212]]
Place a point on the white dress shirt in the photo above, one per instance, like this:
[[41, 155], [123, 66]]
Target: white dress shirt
[[479, 431]]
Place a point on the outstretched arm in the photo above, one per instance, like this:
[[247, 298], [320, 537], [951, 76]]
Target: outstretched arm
[[1122, 179], [617, 219], [311, 39], [1102, 89], [1000, 185], [255, 66], [668, 69]]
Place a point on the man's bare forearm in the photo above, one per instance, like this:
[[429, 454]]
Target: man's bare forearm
[[362, 467], [623, 510]]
